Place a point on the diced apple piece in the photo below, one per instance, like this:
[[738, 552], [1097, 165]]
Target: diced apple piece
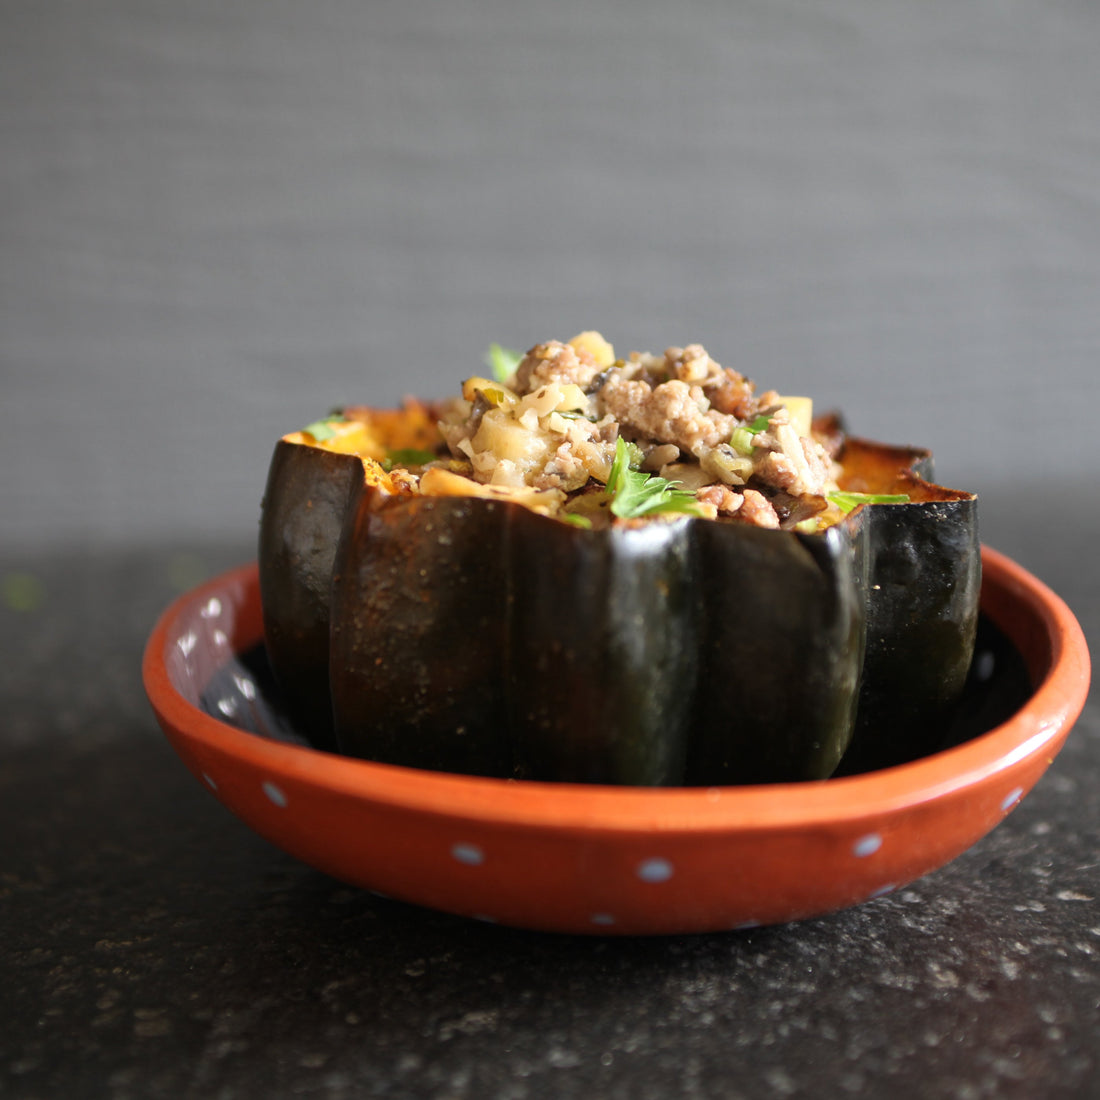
[[801, 411]]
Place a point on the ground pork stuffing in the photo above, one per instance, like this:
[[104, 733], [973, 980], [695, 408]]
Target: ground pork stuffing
[[555, 424], [671, 412]]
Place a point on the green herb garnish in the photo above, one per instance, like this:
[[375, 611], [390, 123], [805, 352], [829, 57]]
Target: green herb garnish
[[634, 493], [846, 501], [503, 361], [408, 456], [741, 439], [493, 396], [322, 429], [577, 520]]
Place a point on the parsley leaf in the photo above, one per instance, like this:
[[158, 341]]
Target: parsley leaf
[[577, 520], [846, 501], [503, 361], [323, 429], [408, 456], [634, 493]]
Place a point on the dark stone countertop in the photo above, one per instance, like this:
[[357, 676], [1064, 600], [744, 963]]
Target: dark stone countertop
[[150, 945]]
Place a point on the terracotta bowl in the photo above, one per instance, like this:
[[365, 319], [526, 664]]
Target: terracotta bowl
[[575, 858]]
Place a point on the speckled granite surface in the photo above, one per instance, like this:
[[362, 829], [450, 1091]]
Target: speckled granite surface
[[218, 220], [150, 945]]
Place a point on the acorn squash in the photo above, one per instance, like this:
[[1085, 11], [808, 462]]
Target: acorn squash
[[310, 483], [470, 629]]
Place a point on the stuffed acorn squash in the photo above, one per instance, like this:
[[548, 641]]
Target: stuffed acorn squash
[[631, 571]]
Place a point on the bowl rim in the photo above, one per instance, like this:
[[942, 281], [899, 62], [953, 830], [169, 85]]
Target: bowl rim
[[1039, 726]]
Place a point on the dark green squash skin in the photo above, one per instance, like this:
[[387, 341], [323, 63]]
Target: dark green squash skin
[[780, 653], [923, 586], [304, 507], [449, 651], [646, 655], [602, 657], [418, 631], [467, 635]]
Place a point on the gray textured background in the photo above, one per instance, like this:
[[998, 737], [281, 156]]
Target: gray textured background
[[220, 217]]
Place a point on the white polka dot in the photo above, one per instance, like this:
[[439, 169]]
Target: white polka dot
[[274, 793], [867, 845], [209, 780], [1012, 798], [602, 918], [985, 664], [655, 870], [468, 853], [245, 686]]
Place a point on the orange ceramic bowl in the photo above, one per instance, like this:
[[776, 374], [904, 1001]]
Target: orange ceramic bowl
[[576, 858]]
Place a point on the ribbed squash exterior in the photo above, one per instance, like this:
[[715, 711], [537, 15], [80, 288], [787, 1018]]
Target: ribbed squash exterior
[[476, 636]]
